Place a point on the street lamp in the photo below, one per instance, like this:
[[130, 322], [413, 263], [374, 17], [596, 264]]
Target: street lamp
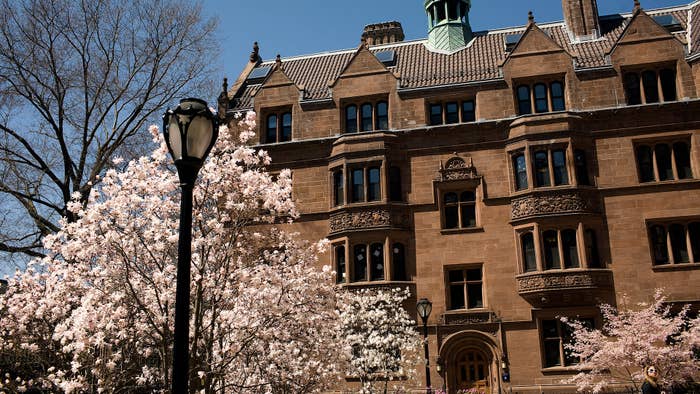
[[424, 307], [190, 132]]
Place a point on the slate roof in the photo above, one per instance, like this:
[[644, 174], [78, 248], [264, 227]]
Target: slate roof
[[420, 67]]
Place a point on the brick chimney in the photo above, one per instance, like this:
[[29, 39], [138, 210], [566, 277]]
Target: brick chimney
[[581, 17], [383, 33]]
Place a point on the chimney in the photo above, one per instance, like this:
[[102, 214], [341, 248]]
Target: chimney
[[581, 17], [383, 33]]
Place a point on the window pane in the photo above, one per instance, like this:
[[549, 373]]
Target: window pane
[[557, 91], [568, 242], [351, 119], [551, 249], [524, 104], [663, 161], [542, 168], [338, 187], [271, 135], [360, 265], [634, 95], [467, 197], [358, 185], [551, 353], [340, 264], [468, 111], [377, 261], [681, 152], [668, 84], [561, 175], [395, 184], [651, 89], [456, 276], [286, 127], [450, 198], [549, 329], [678, 244], [398, 254], [694, 235], [468, 212], [366, 123], [520, 168], [451, 113], [474, 274], [382, 116], [373, 184], [645, 163], [592, 249], [436, 114], [457, 297], [528, 249], [541, 104], [658, 244], [581, 167], [451, 218], [474, 295]]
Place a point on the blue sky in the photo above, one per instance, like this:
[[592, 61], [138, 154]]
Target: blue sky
[[311, 26]]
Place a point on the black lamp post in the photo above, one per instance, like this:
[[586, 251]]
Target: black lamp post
[[424, 308], [190, 132]]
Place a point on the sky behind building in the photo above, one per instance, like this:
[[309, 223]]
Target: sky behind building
[[302, 27]]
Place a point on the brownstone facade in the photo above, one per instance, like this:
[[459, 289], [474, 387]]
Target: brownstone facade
[[533, 174]]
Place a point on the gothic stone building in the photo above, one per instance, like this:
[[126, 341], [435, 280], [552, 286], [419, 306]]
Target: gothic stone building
[[510, 176]]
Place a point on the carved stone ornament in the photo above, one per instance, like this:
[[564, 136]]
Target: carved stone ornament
[[457, 169], [551, 203], [468, 318], [563, 280]]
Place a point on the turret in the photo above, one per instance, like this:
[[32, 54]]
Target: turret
[[448, 24]]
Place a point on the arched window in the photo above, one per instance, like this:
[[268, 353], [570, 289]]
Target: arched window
[[451, 113], [681, 153], [663, 161], [358, 185], [520, 168], [377, 261], [286, 127], [435, 114], [271, 135], [373, 184], [527, 243], [542, 168], [351, 119], [646, 164], [561, 175], [451, 210], [524, 103], [360, 263], [658, 244], [382, 116], [340, 264], [395, 193], [398, 258], [568, 243], [634, 94], [550, 245], [678, 244], [668, 84], [467, 206], [557, 93], [338, 187], [651, 88], [541, 104], [366, 117]]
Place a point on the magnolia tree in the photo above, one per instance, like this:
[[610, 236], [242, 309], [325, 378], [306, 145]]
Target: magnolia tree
[[380, 339], [633, 339], [96, 314]]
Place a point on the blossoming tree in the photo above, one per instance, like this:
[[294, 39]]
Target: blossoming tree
[[633, 339], [380, 339], [96, 314]]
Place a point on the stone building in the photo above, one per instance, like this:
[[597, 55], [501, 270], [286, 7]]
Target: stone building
[[510, 176]]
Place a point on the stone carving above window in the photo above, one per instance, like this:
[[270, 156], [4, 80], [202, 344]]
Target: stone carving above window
[[366, 219], [552, 203], [456, 168]]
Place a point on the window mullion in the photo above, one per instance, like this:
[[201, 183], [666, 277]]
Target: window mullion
[[548, 92], [560, 246], [528, 163], [654, 163], [688, 244], [537, 238], [550, 167], [669, 246], [581, 246], [659, 87], [642, 94], [673, 161]]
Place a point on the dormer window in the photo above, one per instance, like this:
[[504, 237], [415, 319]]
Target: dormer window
[[540, 97], [278, 127], [650, 86], [366, 116]]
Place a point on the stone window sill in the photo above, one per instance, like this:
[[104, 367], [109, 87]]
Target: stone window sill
[[449, 231]]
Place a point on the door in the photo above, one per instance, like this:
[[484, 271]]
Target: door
[[472, 371]]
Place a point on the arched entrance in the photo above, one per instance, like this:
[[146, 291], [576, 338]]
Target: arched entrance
[[470, 360]]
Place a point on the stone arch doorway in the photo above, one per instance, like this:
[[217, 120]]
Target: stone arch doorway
[[470, 360]]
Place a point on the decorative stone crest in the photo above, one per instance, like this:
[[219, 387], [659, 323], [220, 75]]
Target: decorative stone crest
[[468, 318], [457, 169], [367, 219], [545, 204]]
